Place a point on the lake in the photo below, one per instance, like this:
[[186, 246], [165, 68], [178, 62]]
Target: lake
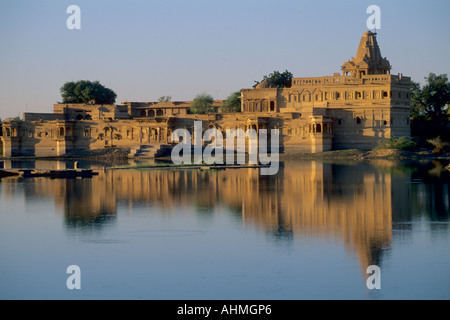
[[309, 232]]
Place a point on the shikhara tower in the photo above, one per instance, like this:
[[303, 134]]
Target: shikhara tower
[[369, 60]]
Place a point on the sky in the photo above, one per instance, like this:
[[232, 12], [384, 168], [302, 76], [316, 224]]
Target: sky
[[147, 49]]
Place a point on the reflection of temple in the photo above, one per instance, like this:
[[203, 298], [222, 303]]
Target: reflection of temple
[[353, 204], [309, 199], [83, 202]]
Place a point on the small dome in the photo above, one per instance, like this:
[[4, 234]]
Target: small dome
[[265, 84]]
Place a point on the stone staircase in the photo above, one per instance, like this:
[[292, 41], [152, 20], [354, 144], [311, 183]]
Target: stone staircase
[[150, 151]]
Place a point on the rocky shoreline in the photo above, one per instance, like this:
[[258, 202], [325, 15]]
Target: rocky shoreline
[[356, 154], [353, 154]]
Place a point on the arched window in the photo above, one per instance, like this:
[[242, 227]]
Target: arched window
[[61, 131], [325, 128], [8, 132], [143, 113], [79, 117], [159, 113], [358, 120], [319, 128], [151, 113]]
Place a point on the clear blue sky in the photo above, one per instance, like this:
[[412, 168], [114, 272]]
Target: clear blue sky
[[146, 49]]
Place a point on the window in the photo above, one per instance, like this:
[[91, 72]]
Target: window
[[339, 122], [86, 133], [319, 128], [338, 96], [358, 120]]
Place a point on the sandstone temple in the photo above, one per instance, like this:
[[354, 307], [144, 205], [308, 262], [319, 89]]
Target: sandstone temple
[[357, 108]]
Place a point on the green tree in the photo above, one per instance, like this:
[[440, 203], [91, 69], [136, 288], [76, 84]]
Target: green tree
[[281, 80], [233, 103], [430, 108], [86, 91], [203, 103], [165, 99], [431, 101]]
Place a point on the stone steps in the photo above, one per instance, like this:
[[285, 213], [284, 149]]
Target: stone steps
[[150, 151]]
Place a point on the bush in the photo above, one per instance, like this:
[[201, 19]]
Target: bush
[[202, 104], [401, 143], [439, 145]]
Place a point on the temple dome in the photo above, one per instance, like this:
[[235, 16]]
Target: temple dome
[[265, 84]]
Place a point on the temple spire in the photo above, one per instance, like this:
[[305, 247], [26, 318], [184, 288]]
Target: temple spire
[[368, 58]]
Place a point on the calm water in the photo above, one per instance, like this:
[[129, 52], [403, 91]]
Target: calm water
[[308, 233]]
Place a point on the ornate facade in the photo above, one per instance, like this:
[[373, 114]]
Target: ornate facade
[[356, 109]]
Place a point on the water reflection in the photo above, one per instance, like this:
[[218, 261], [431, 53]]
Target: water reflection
[[362, 205]]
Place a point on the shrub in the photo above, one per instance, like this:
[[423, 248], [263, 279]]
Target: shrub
[[401, 143], [439, 145]]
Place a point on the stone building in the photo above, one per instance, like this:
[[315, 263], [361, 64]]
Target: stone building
[[356, 109]]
